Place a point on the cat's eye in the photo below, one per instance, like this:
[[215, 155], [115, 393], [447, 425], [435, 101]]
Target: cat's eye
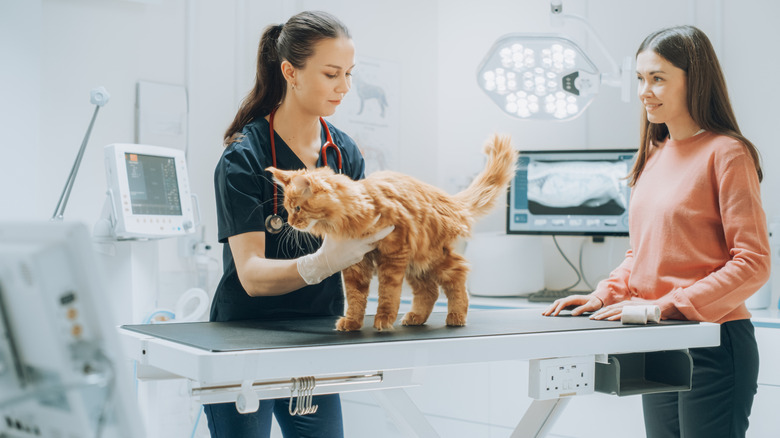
[[297, 208]]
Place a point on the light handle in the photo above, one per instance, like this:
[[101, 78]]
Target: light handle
[[98, 96]]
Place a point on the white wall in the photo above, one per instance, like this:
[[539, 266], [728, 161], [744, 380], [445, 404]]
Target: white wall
[[57, 50], [741, 32], [20, 76], [747, 42], [85, 44], [403, 32]]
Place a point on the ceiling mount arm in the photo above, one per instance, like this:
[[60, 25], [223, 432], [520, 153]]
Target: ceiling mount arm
[[618, 75]]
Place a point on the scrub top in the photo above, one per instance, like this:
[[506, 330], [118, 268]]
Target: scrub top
[[245, 196]]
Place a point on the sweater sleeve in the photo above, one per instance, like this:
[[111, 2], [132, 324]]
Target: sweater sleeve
[[615, 288], [747, 238]]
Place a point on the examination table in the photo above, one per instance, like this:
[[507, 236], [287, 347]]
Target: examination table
[[244, 362]]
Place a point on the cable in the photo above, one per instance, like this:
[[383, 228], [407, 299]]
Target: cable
[[579, 277], [582, 271], [197, 420]]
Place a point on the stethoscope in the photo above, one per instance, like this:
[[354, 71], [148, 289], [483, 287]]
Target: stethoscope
[[274, 223]]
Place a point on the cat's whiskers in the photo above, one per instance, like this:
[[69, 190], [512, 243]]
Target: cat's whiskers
[[269, 180], [309, 242], [304, 242], [261, 204]]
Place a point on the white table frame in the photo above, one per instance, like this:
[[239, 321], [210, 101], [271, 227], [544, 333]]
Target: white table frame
[[387, 367]]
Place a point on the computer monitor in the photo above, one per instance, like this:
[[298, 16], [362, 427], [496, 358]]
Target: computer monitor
[[571, 192], [148, 191], [60, 360]]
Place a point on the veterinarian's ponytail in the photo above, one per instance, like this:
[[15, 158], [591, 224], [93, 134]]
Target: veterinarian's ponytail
[[293, 42]]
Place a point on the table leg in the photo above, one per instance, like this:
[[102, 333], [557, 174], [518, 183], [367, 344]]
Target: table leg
[[540, 418], [405, 413]]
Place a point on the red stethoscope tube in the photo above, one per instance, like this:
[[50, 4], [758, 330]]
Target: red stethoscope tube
[[274, 223]]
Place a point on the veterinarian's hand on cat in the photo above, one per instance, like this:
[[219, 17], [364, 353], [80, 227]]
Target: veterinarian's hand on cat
[[335, 255]]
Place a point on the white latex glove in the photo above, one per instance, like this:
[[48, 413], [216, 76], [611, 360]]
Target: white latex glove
[[335, 255]]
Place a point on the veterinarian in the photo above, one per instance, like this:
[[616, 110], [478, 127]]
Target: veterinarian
[[699, 241], [304, 69]]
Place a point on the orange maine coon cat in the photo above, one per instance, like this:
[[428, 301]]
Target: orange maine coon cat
[[427, 223]]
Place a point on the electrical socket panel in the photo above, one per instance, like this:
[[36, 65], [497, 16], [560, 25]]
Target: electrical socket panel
[[561, 377]]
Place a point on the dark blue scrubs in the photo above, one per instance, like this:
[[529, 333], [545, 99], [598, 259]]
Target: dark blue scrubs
[[244, 193]]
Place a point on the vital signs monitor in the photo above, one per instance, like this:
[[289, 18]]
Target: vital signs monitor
[[148, 190]]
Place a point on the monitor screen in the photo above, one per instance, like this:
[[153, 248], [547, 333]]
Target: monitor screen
[[575, 192], [148, 187], [154, 188]]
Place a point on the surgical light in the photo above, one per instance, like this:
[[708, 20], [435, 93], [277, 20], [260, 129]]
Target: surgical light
[[539, 77], [546, 76]]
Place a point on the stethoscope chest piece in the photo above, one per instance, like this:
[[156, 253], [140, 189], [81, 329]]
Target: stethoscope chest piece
[[274, 223]]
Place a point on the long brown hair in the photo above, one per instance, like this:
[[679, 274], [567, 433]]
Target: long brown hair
[[294, 42], [689, 49]]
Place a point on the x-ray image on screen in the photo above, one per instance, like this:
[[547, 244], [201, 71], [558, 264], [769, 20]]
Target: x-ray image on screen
[[577, 187], [574, 192]]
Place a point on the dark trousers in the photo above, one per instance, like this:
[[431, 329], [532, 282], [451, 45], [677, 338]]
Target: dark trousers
[[721, 396], [226, 422]]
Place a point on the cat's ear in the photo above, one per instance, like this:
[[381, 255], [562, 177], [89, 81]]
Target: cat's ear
[[280, 176], [302, 185]]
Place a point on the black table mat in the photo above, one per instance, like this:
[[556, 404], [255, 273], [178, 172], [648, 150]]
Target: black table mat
[[320, 331]]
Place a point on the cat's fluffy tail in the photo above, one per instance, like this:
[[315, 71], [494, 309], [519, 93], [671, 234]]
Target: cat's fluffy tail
[[481, 195]]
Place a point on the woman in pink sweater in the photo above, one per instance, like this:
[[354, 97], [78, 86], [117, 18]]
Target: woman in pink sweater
[[699, 240]]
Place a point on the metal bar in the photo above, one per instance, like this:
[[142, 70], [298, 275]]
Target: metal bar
[[287, 384], [59, 211]]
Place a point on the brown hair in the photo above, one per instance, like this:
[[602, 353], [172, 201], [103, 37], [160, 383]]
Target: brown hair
[[689, 49], [294, 42]]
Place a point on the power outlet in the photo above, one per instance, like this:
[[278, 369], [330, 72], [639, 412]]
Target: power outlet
[[561, 377]]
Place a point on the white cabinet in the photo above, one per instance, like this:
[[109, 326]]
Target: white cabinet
[[764, 421], [766, 406], [768, 338]]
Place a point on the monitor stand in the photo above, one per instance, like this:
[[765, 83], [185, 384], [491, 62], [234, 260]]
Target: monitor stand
[[504, 265]]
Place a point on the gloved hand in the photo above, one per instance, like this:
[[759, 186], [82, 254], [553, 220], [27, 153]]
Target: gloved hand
[[335, 255]]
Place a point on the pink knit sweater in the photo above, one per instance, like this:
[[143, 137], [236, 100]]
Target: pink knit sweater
[[698, 233]]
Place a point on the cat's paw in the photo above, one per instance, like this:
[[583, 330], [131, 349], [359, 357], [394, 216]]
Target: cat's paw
[[412, 318], [345, 324], [456, 319], [383, 322]]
